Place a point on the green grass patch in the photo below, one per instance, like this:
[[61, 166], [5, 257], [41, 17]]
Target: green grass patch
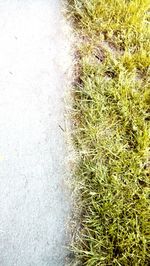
[[112, 130]]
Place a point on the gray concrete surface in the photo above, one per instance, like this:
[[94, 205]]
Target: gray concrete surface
[[34, 200]]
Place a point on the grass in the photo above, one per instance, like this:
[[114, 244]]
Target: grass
[[112, 130]]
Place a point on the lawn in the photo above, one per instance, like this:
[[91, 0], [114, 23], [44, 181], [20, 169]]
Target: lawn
[[111, 114]]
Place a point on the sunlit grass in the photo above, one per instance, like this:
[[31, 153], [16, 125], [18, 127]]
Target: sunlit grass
[[112, 130]]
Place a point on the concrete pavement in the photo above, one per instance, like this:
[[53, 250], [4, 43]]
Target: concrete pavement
[[34, 200]]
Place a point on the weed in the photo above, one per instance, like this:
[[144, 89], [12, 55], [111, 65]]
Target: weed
[[111, 110]]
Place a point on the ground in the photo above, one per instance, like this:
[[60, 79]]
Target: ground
[[34, 201]]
